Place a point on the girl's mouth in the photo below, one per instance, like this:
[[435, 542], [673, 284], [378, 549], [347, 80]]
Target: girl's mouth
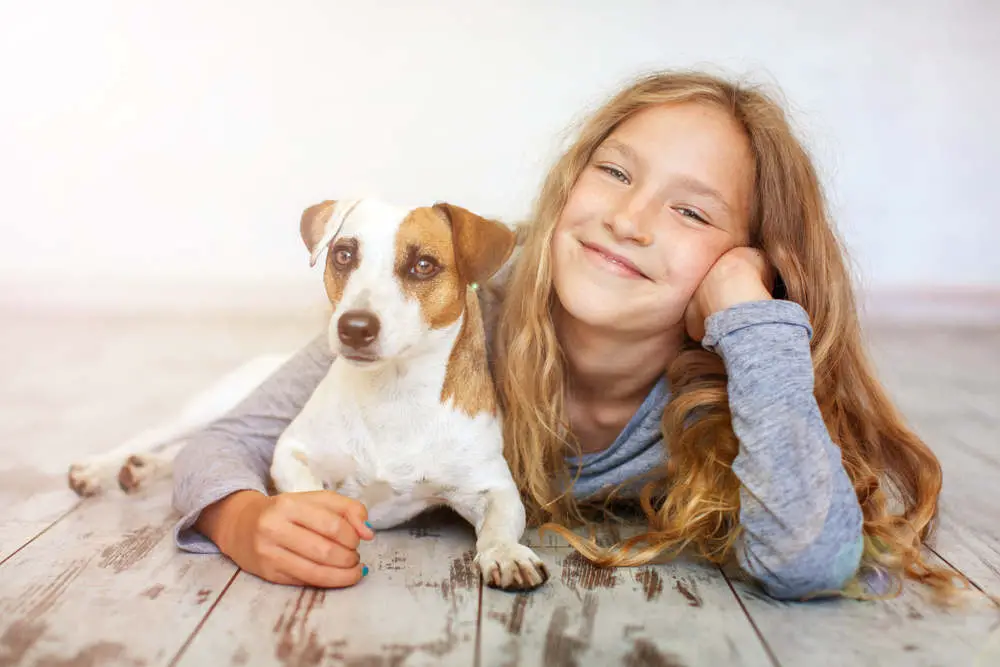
[[609, 260]]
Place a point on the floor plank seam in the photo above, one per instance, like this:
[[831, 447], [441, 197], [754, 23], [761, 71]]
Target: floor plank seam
[[40, 533], [194, 633], [477, 657], [991, 598], [760, 635]]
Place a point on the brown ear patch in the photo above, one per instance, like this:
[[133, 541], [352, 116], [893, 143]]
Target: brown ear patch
[[481, 245], [467, 382], [313, 223]]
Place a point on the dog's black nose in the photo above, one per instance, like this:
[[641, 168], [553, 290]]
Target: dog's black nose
[[357, 328]]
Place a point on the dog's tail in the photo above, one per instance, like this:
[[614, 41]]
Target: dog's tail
[[208, 405]]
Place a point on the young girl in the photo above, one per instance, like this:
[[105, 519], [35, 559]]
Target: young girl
[[678, 326]]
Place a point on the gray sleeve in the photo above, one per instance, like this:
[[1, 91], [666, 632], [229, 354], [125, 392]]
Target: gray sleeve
[[234, 452], [801, 520]]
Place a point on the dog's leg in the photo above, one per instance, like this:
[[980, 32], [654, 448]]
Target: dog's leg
[[90, 476], [498, 517], [290, 470], [141, 469]]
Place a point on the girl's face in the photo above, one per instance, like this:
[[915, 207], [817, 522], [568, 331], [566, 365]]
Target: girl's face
[[662, 198]]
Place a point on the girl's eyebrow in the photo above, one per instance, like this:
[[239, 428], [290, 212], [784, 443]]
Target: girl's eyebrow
[[623, 149], [697, 187]]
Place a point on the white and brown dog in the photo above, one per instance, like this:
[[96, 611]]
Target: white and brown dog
[[407, 416]]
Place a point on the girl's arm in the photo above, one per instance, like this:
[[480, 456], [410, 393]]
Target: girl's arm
[[234, 453], [801, 520]]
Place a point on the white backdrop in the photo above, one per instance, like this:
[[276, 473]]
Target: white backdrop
[[145, 143]]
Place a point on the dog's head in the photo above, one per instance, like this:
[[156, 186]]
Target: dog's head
[[397, 277]]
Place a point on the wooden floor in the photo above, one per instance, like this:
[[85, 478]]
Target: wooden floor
[[99, 582]]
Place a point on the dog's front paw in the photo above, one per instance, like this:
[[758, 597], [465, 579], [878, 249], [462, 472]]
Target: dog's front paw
[[85, 479], [511, 567]]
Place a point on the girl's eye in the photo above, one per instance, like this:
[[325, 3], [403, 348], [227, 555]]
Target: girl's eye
[[614, 172], [693, 214]]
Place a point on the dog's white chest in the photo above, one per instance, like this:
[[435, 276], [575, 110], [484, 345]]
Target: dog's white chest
[[390, 443]]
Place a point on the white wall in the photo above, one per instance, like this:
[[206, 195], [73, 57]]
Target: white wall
[[145, 141]]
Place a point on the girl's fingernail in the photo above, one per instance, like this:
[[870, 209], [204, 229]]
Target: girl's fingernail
[[364, 571], [369, 526]]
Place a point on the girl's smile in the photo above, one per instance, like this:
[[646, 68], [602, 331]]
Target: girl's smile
[[612, 262]]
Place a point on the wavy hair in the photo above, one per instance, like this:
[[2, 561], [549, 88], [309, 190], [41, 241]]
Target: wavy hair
[[694, 502]]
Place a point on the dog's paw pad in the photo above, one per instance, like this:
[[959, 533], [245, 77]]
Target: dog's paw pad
[[511, 567], [134, 472], [84, 479]]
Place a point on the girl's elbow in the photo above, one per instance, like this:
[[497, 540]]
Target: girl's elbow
[[819, 573]]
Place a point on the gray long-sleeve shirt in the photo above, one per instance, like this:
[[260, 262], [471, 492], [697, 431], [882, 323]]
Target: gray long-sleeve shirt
[[801, 520]]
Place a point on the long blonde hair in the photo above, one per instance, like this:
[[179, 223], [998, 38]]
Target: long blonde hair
[[695, 502]]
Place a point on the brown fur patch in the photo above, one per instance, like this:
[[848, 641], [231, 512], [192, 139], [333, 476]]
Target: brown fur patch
[[468, 249], [467, 382], [425, 233], [481, 245], [334, 277], [313, 223]]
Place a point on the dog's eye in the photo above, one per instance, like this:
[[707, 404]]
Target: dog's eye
[[424, 267], [342, 256]]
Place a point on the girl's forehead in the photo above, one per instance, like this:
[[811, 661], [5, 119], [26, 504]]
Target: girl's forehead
[[689, 125]]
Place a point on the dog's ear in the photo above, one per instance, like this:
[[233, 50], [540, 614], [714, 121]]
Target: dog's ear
[[481, 245], [320, 224]]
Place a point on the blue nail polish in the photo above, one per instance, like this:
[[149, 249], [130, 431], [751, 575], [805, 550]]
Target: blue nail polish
[[369, 526], [364, 571]]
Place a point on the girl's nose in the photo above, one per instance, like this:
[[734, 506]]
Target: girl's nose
[[630, 224]]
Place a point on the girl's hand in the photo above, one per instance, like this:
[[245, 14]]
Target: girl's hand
[[301, 539], [740, 275]]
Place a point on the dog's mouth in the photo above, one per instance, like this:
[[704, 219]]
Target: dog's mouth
[[362, 358]]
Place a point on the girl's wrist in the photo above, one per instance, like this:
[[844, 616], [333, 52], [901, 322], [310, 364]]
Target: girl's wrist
[[220, 521], [735, 294]]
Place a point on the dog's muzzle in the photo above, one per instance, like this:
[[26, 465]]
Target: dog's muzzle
[[358, 330]]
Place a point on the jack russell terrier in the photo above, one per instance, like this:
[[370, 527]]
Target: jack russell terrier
[[407, 416]]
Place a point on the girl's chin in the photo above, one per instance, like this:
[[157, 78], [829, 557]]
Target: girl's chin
[[594, 306], [598, 306]]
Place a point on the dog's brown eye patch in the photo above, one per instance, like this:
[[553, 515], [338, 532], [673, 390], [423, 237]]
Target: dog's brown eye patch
[[426, 269], [344, 254], [342, 258]]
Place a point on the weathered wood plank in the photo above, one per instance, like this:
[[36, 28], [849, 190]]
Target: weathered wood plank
[[680, 613], [85, 588], [948, 393], [976, 554], [909, 630], [78, 384], [31, 502], [418, 606], [969, 529]]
